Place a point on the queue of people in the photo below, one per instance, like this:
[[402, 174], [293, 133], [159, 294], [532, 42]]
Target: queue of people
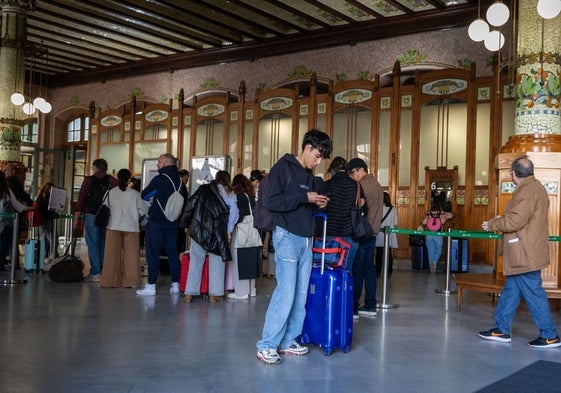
[[291, 197]]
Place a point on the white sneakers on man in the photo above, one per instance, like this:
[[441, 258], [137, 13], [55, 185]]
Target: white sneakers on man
[[148, 290]]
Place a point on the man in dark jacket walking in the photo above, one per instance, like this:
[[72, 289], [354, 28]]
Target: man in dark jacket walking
[[291, 197], [161, 232]]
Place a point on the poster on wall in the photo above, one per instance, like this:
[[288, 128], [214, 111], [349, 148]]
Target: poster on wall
[[149, 171], [57, 200], [204, 168]]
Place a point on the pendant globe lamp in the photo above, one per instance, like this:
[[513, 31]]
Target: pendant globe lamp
[[497, 14], [478, 29], [549, 9]]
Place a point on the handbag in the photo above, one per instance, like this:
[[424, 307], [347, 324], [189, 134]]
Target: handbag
[[103, 213], [360, 227], [335, 253], [246, 235]]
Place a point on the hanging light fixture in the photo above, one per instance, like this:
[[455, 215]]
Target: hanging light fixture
[[478, 29], [494, 41], [549, 9], [18, 99], [497, 14]]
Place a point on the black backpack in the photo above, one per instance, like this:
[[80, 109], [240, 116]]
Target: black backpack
[[98, 188], [262, 217]]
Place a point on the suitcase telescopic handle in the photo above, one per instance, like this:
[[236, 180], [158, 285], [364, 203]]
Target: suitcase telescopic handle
[[323, 216]]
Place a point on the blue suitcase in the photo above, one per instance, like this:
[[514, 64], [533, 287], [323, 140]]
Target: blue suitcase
[[34, 255], [329, 308], [459, 256]]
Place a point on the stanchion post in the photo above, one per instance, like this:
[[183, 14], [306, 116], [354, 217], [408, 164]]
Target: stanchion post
[[384, 305], [446, 290], [13, 257]]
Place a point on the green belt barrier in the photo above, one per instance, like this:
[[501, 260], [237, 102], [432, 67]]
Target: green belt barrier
[[457, 233], [65, 216], [7, 215]]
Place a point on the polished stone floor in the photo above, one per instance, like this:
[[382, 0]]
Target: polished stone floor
[[79, 338]]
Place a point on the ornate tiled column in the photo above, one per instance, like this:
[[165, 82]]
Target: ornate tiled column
[[538, 90], [537, 131], [12, 77]]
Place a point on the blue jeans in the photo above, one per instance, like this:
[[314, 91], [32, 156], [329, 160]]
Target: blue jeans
[[287, 309], [161, 235], [216, 268], [95, 239], [434, 248], [529, 287], [364, 273]]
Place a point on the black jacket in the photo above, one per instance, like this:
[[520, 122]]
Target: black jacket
[[342, 199], [206, 216]]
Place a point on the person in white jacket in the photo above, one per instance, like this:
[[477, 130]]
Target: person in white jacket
[[121, 266], [389, 219]]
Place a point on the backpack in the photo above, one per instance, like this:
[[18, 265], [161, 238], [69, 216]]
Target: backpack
[[96, 192], [263, 217], [433, 222], [175, 202]]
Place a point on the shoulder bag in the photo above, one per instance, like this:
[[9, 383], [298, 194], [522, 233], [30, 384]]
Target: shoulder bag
[[360, 227], [245, 234], [103, 213]]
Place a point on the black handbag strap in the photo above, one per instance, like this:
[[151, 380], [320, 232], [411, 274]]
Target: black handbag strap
[[387, 214]]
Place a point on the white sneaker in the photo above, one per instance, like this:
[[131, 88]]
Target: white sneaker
[[236, 297], [174, 288], [253, 292], [148, 290]]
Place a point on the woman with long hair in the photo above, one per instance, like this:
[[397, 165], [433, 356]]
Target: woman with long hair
[[46, 227], [245, 261], [122, 251], [389, 219]]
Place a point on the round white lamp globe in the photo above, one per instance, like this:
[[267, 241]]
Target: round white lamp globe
[[478, 30], [494, 41], [497, 14], [17, 99], [549, 9]]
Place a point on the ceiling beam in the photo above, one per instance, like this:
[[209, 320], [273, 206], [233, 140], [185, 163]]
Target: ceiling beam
[[336, 36]]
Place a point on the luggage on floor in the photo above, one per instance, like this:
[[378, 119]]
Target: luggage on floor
[[184, 272], [329, 308], [34, 251], [459, 256], [419, 258], [68, 267], [335, 251]]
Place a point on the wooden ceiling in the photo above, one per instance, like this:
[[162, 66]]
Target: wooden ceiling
[[98, 40]]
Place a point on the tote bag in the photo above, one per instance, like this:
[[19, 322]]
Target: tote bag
[[246, 235]]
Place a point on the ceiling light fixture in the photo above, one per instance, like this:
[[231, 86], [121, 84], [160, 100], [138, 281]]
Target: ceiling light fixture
[[497, 14], [478, 29], [549, 9]]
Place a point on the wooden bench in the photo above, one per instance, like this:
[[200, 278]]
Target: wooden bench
[[485, 282]]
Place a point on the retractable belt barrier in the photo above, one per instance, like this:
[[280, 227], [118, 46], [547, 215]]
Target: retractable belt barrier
[[451, 233]]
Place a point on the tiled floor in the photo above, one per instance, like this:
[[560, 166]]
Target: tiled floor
[[80, 338]]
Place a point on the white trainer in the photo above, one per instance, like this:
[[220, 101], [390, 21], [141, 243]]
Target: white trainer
[[174, 288], [148, 290]]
